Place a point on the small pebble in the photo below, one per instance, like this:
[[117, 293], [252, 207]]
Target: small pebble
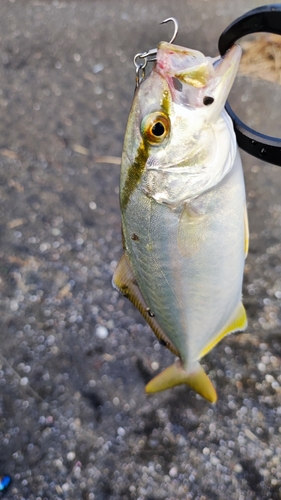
[[97, 68], [101, 332], [238, 468], [14, 305], [24, 381], [173, 472]]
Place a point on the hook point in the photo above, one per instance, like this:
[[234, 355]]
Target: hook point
[[176, 27]]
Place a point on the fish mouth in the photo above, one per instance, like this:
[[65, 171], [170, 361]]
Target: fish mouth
[[226, 69], [196, 81]]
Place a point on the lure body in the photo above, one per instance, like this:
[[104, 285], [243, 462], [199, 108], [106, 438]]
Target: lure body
[[183, 210]]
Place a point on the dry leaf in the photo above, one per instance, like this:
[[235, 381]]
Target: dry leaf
[[115, 160], [15, 223], [9, 154], [80, 149]]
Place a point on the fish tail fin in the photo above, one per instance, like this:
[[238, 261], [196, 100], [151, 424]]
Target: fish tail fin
[[176, 375]]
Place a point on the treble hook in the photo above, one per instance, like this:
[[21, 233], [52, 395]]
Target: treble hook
[[140, 68]]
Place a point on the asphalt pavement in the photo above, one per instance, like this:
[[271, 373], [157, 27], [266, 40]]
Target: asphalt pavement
[[75, 422]]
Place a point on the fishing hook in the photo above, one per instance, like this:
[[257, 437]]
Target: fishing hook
[[176, 27], [150, 55]]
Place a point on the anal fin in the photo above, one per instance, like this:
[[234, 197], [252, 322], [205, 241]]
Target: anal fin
[[237, 323], [124, 281], [176, 375]]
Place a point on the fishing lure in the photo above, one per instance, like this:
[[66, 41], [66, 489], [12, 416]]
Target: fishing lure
[[5, 481]]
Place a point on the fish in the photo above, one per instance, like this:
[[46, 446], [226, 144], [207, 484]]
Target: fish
[[183, 210]]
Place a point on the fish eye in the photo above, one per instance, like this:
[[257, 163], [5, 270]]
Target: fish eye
[[158, 129], [155, 127]]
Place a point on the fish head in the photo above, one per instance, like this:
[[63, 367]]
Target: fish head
[[179, 136]]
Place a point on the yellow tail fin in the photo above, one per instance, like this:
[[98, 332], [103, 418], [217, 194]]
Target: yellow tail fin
[[176, 375]]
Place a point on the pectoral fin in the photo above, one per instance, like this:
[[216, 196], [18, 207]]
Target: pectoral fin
[[237, 323], [124, 281], [176, 375], [190, 232]]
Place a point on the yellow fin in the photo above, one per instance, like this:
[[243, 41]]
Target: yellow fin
[[176, 375], [237, 323], [246, 232], [124, 281], [190, 232]]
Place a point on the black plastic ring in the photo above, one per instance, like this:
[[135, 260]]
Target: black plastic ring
[[264, 19]]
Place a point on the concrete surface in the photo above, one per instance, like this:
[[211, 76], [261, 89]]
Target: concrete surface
[[74, 420]]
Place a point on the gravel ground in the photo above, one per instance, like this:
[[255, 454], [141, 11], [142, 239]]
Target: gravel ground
[[75, 356]]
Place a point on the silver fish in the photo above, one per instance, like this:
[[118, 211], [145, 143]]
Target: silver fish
[[184, 217]]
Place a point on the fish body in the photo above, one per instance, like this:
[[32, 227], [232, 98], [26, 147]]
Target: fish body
[[183, 208]]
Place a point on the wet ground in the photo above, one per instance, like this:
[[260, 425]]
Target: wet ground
[[74, 355]]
